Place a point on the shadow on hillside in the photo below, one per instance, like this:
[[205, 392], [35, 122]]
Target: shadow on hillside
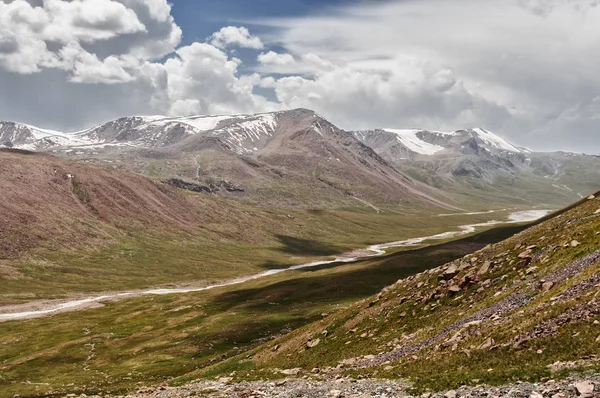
[[298, 246], [358, 280]]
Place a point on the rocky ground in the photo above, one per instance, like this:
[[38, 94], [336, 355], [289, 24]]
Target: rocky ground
[[346, 388]]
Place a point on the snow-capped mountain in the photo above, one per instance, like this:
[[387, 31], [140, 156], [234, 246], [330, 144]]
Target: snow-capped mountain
[[297, 157], [23, 136], [411, 143], [244, 133], [290, 157], [477, 159]]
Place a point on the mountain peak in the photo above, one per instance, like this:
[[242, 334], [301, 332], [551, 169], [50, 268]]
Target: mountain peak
[[429, 142]]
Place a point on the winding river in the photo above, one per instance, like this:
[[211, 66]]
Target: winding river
[[50, 307]]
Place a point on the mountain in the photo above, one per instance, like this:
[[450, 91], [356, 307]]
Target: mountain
[[284, 159], [524, 309], [476, 162]]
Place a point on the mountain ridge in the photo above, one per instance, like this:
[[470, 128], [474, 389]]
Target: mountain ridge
[[285, 158]]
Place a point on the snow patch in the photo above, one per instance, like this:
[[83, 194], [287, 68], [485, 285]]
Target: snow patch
[[409, 139], [495, 141]]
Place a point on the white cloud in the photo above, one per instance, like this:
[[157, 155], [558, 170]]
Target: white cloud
[[70, 64], [275, 63], [203, 79], [272, 58], [512, 66], [524, 68], [235, 36], [85, 37]]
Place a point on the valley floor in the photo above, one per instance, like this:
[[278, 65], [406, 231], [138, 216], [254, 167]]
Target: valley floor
[[44, 308]]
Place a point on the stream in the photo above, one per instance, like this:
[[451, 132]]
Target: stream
[[46, 308]]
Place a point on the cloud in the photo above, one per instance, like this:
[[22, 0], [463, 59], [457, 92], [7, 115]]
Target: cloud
[[235, 36], [511, 66], [523, 68], [71, 64], [272, 58], [95, 41], [275, 63], [202, 79]]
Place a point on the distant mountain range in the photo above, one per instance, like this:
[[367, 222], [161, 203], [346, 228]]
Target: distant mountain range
[[478, 162], [283, 159], [297, 158]]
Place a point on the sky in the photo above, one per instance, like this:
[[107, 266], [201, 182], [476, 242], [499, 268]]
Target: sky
[[525, 69]]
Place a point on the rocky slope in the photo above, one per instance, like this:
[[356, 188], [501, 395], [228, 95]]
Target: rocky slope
[[527, 308], [476, 161], [340, 387], [290, 158]]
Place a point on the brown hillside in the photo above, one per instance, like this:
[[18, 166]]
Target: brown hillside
[[46, 197]]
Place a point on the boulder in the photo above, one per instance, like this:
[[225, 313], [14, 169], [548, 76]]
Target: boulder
[[546, 286], [450, 272], [313, 343], [584, 388], [525, 254], [484, 268], [531, 270], [487, 344], [575, 243], [291, 372], [453, 289]]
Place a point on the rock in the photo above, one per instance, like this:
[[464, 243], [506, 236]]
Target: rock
[[575, 243], [531, 270], [275, 348], [525, 254], [335, 394], [597, 211], [536, 394], [450, 394], [523, 263], [584, 388], [592, 197], [484, 268], [546, 286], [487, 344], [465, 281], [225, 380], [454, 289], [291, 372], [313, 343], [451, 272]]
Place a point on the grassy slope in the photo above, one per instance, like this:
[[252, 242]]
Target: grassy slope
[[247, 240], [409, 313], [141, 341], [68, 228]]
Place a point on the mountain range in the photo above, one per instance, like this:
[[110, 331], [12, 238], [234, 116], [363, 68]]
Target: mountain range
[[297, 158]]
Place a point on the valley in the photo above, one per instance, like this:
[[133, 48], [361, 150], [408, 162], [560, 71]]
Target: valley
[[26, 311], [147, 253], [144, 340], [299, 199]]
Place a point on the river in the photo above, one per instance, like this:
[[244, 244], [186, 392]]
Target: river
[[47, 308]]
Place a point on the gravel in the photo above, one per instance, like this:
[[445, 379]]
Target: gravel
[[348, 388]]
